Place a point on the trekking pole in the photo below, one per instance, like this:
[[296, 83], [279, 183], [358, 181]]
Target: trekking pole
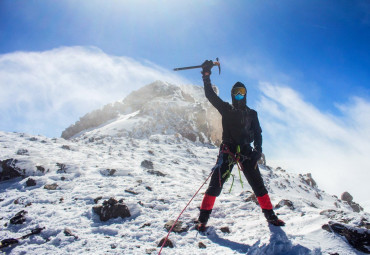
[[165, 240], [216, 63]]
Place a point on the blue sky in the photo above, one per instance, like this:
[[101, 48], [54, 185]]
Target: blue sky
[[321, 46], [305, 63]]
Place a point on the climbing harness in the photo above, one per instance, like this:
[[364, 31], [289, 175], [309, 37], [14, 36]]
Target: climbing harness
[[234, 159]]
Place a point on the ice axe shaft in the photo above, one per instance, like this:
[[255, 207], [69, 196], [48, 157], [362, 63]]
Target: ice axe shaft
[[216, 63]]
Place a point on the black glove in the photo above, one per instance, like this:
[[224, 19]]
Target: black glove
[[255, 156], [207, 66], [258, 148]]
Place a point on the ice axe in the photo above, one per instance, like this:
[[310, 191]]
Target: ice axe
[[217, 63]]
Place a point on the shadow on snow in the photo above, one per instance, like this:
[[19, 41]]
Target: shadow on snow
[[278, 244]]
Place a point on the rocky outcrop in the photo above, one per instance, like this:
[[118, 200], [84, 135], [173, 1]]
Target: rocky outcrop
[[10, 170], [285, 202], [177, 228], [346, 197], [252, 198], [158, 108], [147, 164], [167, 244], [30, 182], [112, 209], [19, 218], [359, 238], [307, 178]]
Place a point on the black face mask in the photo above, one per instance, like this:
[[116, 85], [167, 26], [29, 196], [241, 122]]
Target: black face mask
[[241, 103]]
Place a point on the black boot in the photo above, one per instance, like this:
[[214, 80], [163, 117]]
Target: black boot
[[272, 218], [202, 220]]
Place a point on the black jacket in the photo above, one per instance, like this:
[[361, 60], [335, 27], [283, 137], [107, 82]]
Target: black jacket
[[240, 125]]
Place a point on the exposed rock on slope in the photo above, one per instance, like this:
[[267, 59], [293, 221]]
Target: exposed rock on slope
[[158, 108], [155, 178]]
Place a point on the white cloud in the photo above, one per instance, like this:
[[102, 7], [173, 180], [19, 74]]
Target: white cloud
[[301, 138], [44, 92]]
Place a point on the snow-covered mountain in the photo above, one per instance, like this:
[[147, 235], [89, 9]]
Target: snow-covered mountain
[[149, 166], [158, 108]]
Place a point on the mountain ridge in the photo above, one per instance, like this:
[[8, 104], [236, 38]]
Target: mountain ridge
[[162, 108]]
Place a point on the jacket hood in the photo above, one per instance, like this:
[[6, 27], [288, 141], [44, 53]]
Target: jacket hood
[[239, 104]]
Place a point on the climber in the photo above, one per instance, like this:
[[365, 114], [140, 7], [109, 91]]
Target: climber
[[240, 128]]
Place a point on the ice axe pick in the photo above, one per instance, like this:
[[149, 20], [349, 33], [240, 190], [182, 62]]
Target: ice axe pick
[[216, 63]]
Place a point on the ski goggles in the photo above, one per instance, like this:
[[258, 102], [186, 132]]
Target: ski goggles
[[239, 91]]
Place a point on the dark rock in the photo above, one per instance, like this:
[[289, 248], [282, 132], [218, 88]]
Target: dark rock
[[146, 225], [96, 200], [357, 237], [225, 230], [312, 205], [66, 147], [19, 218], [108, 172], [167, 244], [23, 152], [307, 178], [148, 188], [8, 242], [332, 214], [178, 228], [318, 196], [41, 169], [111, 201], [53, 186], [111, 209], [111, 171], [364, 223], [326, 227], [114, 246], [157, 173], [147, 164], [19, 200], [201, 245], [356, 207], [346, 197], [10, 170], [30, 182], [285, 202], [68, 232], [61, 168], [252, 198], [131, 192]]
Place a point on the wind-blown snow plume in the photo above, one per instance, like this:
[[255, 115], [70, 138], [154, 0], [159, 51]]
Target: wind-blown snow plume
[[45, 90]]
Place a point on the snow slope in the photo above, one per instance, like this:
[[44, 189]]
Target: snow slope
[[81, 167]]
